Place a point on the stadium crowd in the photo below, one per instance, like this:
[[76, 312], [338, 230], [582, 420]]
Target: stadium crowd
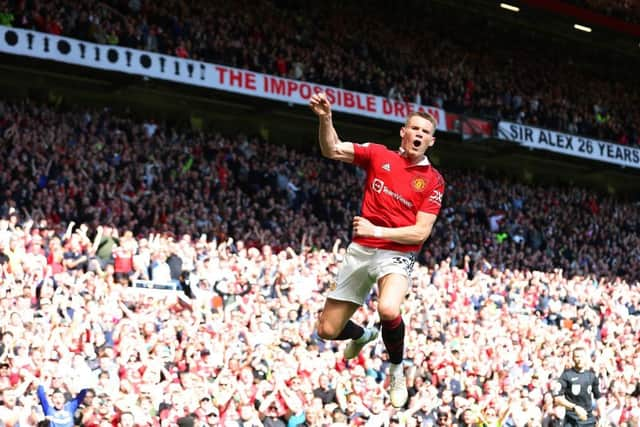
[[500, 76], [98, 168], [626, 10], [513, 276]]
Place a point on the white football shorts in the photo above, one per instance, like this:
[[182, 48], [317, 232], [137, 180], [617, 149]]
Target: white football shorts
[[363, 266]]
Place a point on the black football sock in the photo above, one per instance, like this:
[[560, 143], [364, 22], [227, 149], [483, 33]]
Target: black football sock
[[393, 337], [351, 331]]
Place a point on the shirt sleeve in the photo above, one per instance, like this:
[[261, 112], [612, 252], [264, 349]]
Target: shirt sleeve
[[560, 386], [433, 201], [363, 154], [595, 387], [42, 396], [78, 400]]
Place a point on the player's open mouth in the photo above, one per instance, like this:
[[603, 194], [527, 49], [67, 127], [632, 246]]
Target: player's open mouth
[[417, 143]]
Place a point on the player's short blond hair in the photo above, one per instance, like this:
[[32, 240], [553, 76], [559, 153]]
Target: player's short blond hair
[[424, 115]]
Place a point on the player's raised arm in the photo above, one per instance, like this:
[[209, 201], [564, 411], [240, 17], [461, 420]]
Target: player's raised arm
[[330, 144]]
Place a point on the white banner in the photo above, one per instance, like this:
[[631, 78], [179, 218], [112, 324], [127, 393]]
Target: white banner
[[571, 145], [71, 51], [172, 285]]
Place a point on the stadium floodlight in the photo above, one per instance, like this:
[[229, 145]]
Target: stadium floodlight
[[509, 7], [582, 28]]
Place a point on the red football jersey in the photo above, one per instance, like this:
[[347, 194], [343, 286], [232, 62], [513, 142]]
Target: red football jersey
[[395, 191]]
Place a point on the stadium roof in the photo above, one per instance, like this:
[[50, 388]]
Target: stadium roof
[[557, 19]]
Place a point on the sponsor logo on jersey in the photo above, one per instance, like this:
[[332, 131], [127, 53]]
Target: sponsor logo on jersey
[[379, 186], [436, 197], [387, 167]]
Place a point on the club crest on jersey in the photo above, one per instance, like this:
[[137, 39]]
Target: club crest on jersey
[[575, 389], [419, 184]]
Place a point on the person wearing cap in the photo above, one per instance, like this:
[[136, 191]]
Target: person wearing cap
[[212, 418]]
